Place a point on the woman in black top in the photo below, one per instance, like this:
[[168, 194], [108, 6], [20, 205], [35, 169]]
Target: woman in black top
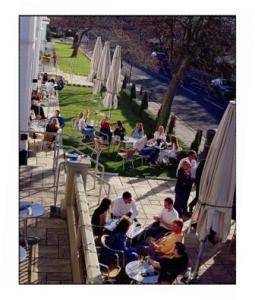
[[183, 187], [99, 216], [120, 130]]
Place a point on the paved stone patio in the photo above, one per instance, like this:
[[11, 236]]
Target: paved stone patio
[[49, 260]]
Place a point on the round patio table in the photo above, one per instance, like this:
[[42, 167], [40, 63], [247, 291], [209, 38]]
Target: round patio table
[[142, 272], [28, 210]]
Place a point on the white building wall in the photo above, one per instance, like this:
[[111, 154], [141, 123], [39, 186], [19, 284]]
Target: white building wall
[[26, 60]]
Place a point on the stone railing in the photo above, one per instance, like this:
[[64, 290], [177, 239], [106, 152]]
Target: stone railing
[[75, 209]]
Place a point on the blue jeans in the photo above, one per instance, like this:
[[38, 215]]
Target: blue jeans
[[152, 152]]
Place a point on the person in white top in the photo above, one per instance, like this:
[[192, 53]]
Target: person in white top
[[163, 222], [124, 205], [192, 157], [170, 151], [160, 134]]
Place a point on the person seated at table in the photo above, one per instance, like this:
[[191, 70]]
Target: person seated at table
[[60, 84], [118, 240], [106, 129], [171, 150], [140, 147], [61, 120], [81, 122], [36, 105], [163, 222], [52, 126], [165, 245], [159, 135], [151, 151], [170, 267], [45, 78], [119, 130], [124, 205], [138, 131], [50, 88], [99, 216]]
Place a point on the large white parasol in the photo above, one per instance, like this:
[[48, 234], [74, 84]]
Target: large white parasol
[[95, 59]]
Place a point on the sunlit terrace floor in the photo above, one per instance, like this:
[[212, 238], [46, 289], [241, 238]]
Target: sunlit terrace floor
[[48, 261]]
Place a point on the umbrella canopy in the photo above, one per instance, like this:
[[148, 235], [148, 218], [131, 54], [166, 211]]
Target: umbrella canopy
[[103, 68], [95, 59], [218, 181], [113, 82]]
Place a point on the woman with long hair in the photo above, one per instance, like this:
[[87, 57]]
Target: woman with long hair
[[171, 150], [106, 129], [138, 131], [159, 134], [118, 240], [52, 126], [99, 216]]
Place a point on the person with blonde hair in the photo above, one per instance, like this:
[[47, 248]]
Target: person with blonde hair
[[159, 134], [138, 131]]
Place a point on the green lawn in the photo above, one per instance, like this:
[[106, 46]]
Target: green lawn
[[79, 65], [76, 99]]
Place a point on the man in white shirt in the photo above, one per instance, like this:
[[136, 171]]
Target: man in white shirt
[[124, 205], [163, 223]]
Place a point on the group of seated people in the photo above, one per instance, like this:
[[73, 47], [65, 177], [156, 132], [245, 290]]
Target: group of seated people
[[160, 243], [157, 147], [50, 86]]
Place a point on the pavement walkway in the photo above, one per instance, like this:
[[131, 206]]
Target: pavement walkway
[[49, 261]]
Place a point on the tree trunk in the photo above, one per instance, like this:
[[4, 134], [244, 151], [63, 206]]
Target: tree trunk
[[77, 44], [75, 40], [165, 109]]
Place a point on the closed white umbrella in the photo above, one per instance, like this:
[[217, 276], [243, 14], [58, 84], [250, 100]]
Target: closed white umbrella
[[103, 68], [113, 82], [217, 186], [95, 59]]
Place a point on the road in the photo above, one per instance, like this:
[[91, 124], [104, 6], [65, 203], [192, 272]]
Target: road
[[193, 103]]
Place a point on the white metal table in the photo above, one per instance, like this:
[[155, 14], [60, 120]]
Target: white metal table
[[142, 272]]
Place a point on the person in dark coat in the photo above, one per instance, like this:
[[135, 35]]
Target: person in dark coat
[[197, 183], [183, 187], [117, 240]]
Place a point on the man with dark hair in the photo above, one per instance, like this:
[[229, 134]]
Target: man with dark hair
[[124, 205], [171, 267], [163, 222]]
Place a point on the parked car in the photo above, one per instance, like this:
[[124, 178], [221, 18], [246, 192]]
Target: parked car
[[224, 87], [159, 55]]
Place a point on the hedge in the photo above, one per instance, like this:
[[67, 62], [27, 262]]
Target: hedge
[[146, 117]]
